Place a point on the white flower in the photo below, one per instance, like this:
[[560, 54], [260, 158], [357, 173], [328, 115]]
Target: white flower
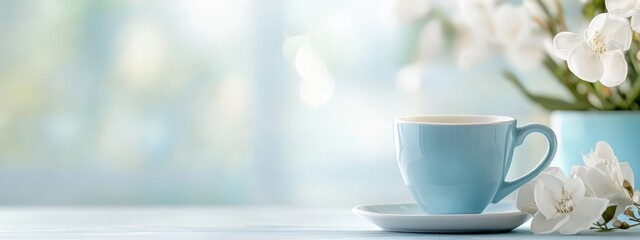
[[475, 34], [478, 14], [470, 47], [564, 208], [598, 55], [525, 200], [561, 204], [520, 37], [605, 177], [483, 26], [626, 8]]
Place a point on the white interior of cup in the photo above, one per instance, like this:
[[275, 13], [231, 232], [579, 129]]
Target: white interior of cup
[[455, 119]]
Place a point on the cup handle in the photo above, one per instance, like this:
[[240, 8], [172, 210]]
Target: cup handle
[[521, 133]]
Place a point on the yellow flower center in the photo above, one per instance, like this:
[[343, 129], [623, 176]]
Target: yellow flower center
[[597, 44], [565, 205]]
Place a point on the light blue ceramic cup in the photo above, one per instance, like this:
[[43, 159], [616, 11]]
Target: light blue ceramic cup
[[457, 164]]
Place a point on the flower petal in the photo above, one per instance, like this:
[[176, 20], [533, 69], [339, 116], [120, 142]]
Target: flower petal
[[622, 8], [581, 173], [564, 42], [547, 192], [615, 172], [635, 21], [600, 182], [508, 20], [585, 64], [614, 29], [525, 200], [604, 167], [584, 213], [578, 171], [591, 159], [478, 13], [541, 225], [627, 172], [576, 188], [622, 200], [555, 172], [605, 151], [615, 68], [470, 47]]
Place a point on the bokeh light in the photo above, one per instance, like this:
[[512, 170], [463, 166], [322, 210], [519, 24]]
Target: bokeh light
[[221, 102]]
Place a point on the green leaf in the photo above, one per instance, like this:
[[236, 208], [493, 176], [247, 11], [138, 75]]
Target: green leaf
[[557, 104], [608, 214], [548, 103]]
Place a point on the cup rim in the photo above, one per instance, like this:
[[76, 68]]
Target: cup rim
[[455, 119]]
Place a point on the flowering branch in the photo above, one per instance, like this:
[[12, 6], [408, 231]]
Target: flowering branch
[[598, 67], [593, 198], [600, 91], [617, 224]]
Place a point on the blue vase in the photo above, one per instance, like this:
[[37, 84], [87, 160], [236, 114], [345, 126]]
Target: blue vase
[[578, 132]]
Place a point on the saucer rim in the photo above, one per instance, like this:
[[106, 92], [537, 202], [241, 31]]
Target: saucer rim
[[443, 224], [359, 209]]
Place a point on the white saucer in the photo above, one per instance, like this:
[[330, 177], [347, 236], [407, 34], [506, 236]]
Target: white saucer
[[408, 217]]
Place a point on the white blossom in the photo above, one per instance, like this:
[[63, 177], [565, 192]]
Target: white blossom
[[626, 8], [520, 38], [604, 176], [559, 204], [475, 34], [599, 54]]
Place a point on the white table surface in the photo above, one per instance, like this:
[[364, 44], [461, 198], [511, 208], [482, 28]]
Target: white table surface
[[219, 223]]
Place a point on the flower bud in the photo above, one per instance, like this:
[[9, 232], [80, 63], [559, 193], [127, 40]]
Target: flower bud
[[629, 212], [625, 225], [617, 223]]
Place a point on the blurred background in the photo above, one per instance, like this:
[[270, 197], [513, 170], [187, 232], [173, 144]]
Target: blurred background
[[224, 102]]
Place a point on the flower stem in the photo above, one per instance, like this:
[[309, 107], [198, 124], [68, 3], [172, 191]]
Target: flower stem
[[565, 77], [561, 22], [552, 22], [601, 227], [605, 228], [606, 105]]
